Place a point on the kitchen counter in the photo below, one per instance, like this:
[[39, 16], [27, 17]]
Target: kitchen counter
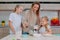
[[4, 31], [36, 37]]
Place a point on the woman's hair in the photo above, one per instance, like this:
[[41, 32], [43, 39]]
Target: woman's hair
[[17, 6], [37, 12]]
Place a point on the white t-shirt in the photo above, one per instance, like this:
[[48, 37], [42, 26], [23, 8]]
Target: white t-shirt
[[43, 29], [16, 21]]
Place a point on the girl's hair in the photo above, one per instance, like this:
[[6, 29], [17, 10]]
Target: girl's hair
[[46, 26], [17, 6], [46, 18], [37, 12]]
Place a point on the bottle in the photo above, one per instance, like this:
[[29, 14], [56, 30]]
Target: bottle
[[3, 23], [35, 29]]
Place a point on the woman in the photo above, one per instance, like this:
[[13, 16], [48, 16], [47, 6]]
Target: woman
[[15, 20], [31, 18]]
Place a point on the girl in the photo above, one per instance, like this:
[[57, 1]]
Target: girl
[[44, 27], [15, 20]]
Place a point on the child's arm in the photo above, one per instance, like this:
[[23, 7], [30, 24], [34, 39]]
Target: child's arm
[[49, 31], [11, 27]]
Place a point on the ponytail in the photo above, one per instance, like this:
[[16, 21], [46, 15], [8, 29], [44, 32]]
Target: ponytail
[[16, 7]]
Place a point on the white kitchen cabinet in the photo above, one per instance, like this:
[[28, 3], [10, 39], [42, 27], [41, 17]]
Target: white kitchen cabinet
[[4, 31]]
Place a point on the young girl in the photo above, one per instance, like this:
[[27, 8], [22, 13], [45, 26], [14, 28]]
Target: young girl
[[15, 20], [44, 27]]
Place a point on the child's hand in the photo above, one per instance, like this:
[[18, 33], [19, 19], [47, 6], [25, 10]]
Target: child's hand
[[46, 33]]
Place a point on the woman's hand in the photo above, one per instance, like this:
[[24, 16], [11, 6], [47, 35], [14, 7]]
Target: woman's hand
[[25, 24]]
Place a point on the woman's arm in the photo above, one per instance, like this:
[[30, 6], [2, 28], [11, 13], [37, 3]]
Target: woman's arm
[[11, 26], [24, 19], [38, 20]]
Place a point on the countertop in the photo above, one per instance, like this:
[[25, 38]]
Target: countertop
[[36, 37]]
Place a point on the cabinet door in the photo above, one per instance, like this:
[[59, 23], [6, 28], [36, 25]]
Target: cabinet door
[[6, 31], [1, 32]]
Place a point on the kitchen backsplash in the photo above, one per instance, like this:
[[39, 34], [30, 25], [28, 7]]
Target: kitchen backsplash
[[4, 15]]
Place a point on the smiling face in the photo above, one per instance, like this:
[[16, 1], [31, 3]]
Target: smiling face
[[35, 7]]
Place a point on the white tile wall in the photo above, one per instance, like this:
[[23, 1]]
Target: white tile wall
[[49, 14], [43, 6], [4, 15]]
